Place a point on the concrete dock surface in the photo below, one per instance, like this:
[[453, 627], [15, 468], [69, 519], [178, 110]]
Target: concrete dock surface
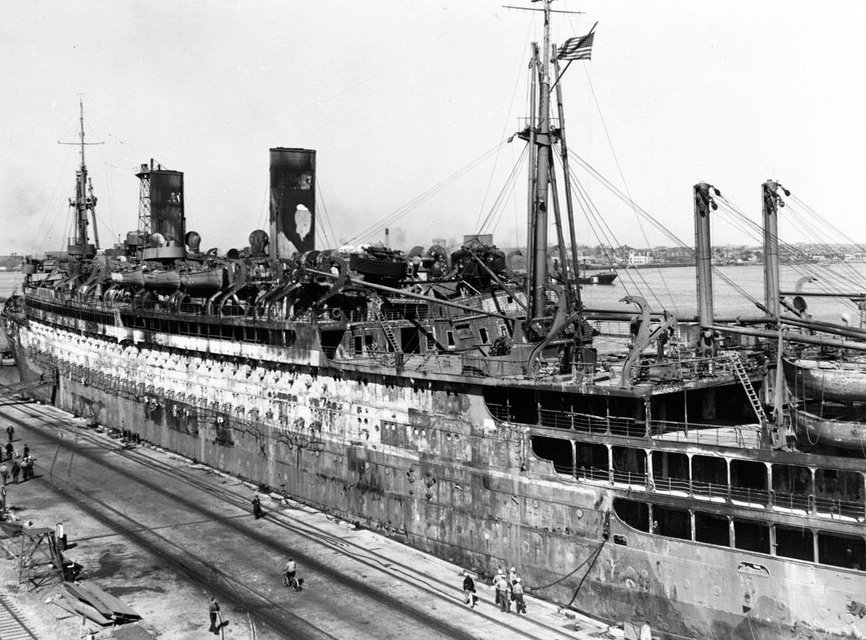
[[165, 534]]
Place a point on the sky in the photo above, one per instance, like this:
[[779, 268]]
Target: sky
[[409, 105]]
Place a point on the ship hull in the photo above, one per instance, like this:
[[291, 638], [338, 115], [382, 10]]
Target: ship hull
[[423, 461], [597, 278]]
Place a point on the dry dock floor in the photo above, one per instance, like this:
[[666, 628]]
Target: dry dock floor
[[165, 534]]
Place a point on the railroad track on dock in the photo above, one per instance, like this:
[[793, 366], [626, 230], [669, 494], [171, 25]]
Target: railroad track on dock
[[12, 626], [438, 589]]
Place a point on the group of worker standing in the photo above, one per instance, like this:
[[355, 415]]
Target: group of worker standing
[[10, 465], [508, 588]]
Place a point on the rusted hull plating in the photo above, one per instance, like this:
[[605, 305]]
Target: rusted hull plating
[[424, 461]]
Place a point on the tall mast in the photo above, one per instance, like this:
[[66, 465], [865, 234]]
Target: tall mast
[[539, 213], [530, 206], [84, 202], [772, 201]]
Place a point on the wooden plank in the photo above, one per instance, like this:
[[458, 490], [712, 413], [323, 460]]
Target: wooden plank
[[108, 601], [88, 612], [80, 594]]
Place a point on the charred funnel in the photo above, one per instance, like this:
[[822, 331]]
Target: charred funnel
[[293, 201]]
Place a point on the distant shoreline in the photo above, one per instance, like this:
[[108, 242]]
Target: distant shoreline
[[668, 265]]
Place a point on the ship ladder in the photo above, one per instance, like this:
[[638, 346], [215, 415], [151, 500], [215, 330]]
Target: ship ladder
[[743, 377], [389, 333]]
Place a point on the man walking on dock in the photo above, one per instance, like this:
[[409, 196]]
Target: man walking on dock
[[469, 596], [214, 615]]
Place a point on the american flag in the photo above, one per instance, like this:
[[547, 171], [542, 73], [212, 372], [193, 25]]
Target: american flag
[[577, 48]]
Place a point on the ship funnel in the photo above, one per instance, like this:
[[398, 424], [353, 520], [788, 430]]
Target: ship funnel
[[161, 212], [293, 201]]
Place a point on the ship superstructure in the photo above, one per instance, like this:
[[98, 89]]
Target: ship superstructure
[[446, 402]]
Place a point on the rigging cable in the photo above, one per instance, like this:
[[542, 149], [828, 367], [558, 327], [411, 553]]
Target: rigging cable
[[593, 222], [418, 200], [504, 129], [625, 184], [799, 202], [794, 251], [327, 216], [47, 204], [594, 173], [507, 188], [584, 197]]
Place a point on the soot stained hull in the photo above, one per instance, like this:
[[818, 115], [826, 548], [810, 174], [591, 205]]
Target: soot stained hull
[[424, 462]]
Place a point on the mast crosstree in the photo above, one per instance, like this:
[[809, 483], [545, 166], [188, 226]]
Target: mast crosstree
[[541, 134]]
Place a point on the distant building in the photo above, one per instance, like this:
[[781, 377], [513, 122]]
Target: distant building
[[635, 258], [11, 263]]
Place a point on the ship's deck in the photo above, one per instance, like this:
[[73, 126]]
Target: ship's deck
[[738, 437]]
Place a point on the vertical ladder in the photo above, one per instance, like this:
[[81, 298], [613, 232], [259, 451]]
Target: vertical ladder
[[743, 377], [389, 332]]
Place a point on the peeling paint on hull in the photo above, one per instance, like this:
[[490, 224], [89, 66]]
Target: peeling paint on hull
[[424, 461]]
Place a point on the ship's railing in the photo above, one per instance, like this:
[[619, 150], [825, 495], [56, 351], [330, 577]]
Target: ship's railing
[[839, 507], [435, 362], [793, 501], [677, 368], [590, 423], [670, 485], [564, 469], [690, 432], [592, 473], [500, 412], [737, 437], [631, 478]]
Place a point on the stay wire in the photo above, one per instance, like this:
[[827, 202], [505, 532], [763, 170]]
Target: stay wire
[[725, 213], [625, 183], [415, 202], [809, 230], [327, 216], [47, 205], [595, 174], [793, 250], [827, 222], [509, 182], [615, 242], [506, 197], [504, 127], [595, 226]]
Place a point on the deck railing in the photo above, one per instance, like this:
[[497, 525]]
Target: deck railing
[[739, 437]]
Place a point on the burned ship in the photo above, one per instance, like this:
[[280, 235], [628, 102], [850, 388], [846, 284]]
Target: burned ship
[[437, 401]]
